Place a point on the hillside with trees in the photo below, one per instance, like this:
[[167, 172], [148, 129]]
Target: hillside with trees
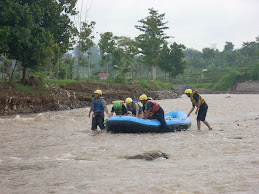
[[221, 70], [36, 38], [39, 38]]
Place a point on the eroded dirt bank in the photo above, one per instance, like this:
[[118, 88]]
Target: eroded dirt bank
[[42, 97]]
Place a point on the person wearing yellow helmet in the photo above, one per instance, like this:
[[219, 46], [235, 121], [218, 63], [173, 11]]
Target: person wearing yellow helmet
[[158, 113], [98, 107], [134, 107], [119, 108], [202, 107]]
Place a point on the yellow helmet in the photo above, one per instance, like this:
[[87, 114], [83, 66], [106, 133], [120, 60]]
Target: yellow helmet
[[98, 92], [143, 97], [128, 100], [188, 91]]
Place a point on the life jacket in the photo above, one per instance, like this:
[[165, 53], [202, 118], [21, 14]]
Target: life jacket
[[155, 106], [119, 111], [97, 105], [194, 101], [133, 108]]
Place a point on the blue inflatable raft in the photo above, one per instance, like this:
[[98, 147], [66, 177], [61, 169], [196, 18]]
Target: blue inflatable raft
[[176, 120]]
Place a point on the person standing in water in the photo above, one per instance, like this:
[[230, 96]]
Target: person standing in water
[[201, 105], [98, 107]]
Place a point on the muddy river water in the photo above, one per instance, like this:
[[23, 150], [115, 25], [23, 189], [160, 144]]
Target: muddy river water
[[56, 152]]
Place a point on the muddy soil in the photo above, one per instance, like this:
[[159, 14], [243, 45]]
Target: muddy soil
[[42, 97]]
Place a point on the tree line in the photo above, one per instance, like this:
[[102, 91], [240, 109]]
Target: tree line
[[37, 35], [220, 70]]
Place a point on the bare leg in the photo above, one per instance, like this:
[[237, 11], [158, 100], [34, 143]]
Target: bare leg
[[199, 124], [207, 124]]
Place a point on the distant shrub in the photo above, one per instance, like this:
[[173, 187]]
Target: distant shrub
[[22, 88], [42, 75], [255, 72], [155, 84], [59, 82], [203, 85], [145, 84], [227, 81]]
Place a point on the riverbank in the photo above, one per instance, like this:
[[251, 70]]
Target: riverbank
[[247, 87], [36, 96]]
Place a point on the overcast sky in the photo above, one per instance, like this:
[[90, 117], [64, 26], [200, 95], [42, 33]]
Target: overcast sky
[[195, 23]]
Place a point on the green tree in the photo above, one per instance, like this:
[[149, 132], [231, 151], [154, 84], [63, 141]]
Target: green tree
[[123, 56], [229, 46], [5, 66], [106, 45], [30, 30], [255, 72], [208, 53], [229, 58], [211, 56], [86, 41], [192, 53], [172, 59], [67, 66], [250, 50], [152, 39], [194, 58]]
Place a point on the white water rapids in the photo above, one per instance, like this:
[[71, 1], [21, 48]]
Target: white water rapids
[[56, 152]]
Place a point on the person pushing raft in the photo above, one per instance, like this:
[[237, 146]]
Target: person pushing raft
[[119, 108], [202, 107], [134, 107], [158, 113]]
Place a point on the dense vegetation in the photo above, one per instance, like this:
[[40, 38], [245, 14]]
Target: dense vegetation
[[221, 70], [38, 38]]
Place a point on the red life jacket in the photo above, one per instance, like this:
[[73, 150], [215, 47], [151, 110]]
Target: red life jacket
[[155, 106]]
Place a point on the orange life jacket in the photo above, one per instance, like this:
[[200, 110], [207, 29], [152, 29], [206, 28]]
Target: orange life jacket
[[155, 106]]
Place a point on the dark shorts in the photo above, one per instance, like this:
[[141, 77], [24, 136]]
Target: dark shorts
[[98, 121], [202, 113]]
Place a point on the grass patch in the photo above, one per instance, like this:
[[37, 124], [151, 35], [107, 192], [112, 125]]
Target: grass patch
[[156, 84], [145, 84], [22, 88], [108, 81], [41, 87], [59, 82], [85, 95], [148, 84], [204, 85]]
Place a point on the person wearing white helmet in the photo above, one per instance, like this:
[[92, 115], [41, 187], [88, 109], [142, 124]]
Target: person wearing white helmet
[[98, 107], [202, 107]]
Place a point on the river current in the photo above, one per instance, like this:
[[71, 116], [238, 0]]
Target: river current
[[56, 152]]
